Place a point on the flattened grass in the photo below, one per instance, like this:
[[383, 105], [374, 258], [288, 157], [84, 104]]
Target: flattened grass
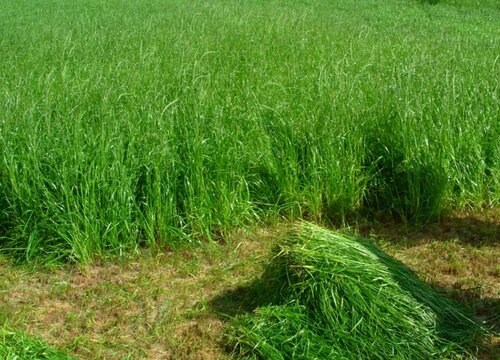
[[340, 297]]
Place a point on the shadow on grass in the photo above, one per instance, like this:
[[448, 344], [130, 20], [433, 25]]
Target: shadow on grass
[[484, 308], [473, 230], [265, 290], [235, 301]]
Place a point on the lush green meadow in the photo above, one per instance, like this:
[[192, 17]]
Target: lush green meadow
[[127, 123]]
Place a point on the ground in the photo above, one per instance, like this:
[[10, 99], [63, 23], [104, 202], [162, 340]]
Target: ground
[[161, 304]]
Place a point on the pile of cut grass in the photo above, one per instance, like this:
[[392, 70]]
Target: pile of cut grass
[[340, 297], [17, 345]]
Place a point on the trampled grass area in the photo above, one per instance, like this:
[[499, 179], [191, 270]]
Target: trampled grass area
[[124, 123]]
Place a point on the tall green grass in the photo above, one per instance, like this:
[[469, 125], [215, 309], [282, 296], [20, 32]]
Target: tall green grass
[[333, 296], [136, 122]]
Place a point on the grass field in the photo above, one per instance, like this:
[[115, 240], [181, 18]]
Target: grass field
[[142, 122], [132, 132]]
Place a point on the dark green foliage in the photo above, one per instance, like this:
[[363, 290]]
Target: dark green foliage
[[431, 2], [343, 298], [409, 184]]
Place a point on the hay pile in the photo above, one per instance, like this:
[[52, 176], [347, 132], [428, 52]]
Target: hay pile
[[340, 297]]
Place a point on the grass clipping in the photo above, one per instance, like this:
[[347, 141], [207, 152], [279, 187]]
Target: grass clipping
[[339, 297], [17, 345]]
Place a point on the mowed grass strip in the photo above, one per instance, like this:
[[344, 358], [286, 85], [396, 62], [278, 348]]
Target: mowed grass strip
[[127, 123], [157, 305], [175, 305]]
